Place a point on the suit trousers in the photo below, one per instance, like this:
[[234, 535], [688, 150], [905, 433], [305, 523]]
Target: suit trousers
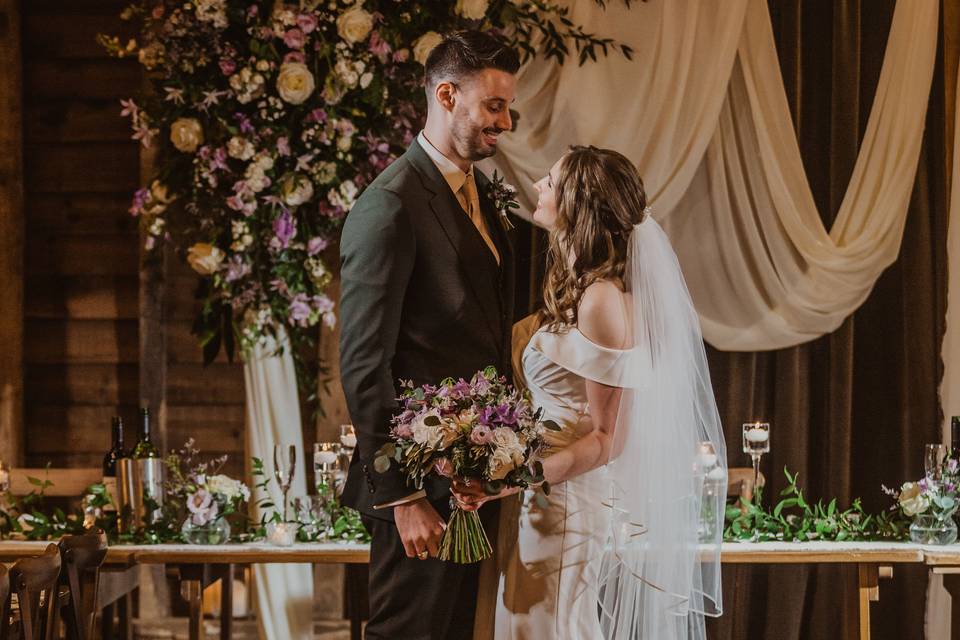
[[413, 599]]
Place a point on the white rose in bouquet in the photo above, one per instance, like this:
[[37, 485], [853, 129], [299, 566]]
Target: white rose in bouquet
[[424, 45], [912, 500], [204, 258], [227, 487], [295, 82], [354, 24], [472, 9], [296, 189], [500, 463], [186, 134]]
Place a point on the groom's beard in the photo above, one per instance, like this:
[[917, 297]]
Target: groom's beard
[[468, 138]]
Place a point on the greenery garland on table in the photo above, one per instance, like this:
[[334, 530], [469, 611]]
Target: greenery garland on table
[[794, 519], [271, 116]]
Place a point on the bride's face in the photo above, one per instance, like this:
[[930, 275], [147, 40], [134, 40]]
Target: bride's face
[[546, 212]]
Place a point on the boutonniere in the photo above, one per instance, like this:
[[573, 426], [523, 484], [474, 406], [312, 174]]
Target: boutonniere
[[504, 198]]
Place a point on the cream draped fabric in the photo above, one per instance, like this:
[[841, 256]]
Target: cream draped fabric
[[284, 592], [702, 112]]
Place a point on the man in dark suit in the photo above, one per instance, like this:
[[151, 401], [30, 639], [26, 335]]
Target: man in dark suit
[[426, 293]]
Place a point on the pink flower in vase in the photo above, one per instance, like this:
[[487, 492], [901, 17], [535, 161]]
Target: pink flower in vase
[[203, 508]]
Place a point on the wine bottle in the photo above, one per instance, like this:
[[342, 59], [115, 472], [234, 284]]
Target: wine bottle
[[145, 447], [110, 460], [955, 437]]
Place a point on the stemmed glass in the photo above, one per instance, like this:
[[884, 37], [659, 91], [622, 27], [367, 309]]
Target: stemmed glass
[[933, 457], [756, 442], [284, 466], [326, 465]]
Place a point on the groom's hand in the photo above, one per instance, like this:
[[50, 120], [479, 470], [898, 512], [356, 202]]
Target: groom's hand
[[420, 527]]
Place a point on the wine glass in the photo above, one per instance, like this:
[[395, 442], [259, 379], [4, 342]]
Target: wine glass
[[756, 442], [284, 466], [934, 455]]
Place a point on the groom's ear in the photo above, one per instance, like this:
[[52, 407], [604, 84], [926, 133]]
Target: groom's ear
[[445, 93]]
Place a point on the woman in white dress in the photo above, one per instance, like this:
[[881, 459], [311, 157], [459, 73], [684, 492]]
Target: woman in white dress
[[626, 544]]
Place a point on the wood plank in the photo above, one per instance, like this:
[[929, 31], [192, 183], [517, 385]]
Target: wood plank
[[182, 304], [72, 428], [106, 255], [81, 297], [66, 482], [193, 384], [61, 35], [74, 7], [11, 234], [66, 460], [213, 427], [107, 167], [79, 384], [105, 78], [81, 341], [184, 348], [76, 121], [75, 214]]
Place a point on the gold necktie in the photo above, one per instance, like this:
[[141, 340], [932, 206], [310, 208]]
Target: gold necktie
[[472, 200]]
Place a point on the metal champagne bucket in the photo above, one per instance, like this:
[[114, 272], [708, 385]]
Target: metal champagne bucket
[[136, 479]]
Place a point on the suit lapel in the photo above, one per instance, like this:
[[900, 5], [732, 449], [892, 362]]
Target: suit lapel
[[466, 240]]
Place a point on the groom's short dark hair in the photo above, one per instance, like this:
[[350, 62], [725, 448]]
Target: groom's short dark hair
[[464, 53]]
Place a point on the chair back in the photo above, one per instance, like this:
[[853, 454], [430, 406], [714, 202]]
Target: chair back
[[81, 557], [4, 602], [34, 580]]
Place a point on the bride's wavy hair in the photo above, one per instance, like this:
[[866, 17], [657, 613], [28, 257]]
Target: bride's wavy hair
[[600, 198]]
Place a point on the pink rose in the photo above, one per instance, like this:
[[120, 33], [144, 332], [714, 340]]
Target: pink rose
[[306, 22], [294, 39], [403, 431], [295, 56], [227, 66], [481, 434]]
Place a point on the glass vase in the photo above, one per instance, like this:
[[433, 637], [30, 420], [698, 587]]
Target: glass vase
[[214, 532], [929, 529]]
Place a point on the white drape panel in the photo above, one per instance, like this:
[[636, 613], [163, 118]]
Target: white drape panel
[[726, 176], [284, 592], [938, 599], [659, 109]]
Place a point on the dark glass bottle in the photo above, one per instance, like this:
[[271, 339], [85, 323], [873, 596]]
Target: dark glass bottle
[[145, 447]]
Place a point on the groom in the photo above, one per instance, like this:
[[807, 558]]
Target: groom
[[427, 293]]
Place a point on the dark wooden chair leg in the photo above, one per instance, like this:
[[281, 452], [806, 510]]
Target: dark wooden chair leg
[[125, 611], [226, 603], [106, 621]]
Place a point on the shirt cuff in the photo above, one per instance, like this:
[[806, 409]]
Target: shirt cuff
[[404, 500]]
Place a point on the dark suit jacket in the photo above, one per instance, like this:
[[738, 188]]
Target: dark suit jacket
[[422, 298]]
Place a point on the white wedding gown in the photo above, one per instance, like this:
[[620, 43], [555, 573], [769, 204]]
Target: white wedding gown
[[549, 556]]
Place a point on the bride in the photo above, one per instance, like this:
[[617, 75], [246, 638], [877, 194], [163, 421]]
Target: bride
[[626, 544]]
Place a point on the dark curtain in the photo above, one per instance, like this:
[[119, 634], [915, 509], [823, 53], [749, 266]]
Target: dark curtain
[[852, 410]]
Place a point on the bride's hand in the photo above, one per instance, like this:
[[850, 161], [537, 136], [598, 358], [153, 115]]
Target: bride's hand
[[470, 495]]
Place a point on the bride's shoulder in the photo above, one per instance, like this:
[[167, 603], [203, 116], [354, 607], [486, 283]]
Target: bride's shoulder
[[603, 315]]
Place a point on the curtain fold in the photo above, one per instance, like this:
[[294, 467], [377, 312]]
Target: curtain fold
[[284, 592]]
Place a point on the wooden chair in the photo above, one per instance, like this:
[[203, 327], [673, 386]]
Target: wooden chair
[[81, 557], [4, 602], [34, 580], [740, 483]]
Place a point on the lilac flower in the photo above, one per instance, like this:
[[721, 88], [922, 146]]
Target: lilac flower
[[300, 310], [952, 465], [246, 126], [284, 228], [487, 415], [315, 245], [506, 415], [924, 486], [139, 200], [461, 389], [236, 269], [317, 115]]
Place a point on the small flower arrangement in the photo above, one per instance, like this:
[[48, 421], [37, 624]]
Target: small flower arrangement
[[483, 429], [939, 499], [504, 198]]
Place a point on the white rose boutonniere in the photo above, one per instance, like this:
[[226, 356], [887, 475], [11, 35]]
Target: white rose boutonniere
[[504, 198]]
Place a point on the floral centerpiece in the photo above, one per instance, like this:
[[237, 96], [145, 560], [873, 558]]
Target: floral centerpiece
[[201, 499], [484, 429], [931, 504], [270, 117]]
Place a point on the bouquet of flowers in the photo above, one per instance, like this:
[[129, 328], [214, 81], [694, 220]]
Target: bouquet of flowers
[[483, 429], [939, 498]]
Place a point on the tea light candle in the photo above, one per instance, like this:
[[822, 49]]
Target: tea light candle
[[349, 440], [324, 457], [717, 474], [281, 534], [758, 435]]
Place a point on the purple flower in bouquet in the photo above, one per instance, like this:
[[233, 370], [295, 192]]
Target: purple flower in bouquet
[[461, 389], [284, 228], [300, 309], [506, 415], [487, 416], [315, 245], [236, 269], [203, 508]]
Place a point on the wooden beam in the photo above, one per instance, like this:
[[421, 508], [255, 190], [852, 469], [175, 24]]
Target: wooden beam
[[11, 235], [330, 393]]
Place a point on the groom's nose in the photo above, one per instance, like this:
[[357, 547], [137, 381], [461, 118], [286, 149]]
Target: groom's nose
[[504, 121]]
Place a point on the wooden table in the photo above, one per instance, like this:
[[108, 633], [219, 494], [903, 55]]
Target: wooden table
[[945, 561], [198, 566]]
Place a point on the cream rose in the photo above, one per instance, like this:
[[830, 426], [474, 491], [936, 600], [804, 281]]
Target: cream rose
[[472, 9], [500, 464], [204, 258], [186, 134], [240, 148], [296, 190], [295, 82], [354, 24], [912, 500], [424, 45]]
